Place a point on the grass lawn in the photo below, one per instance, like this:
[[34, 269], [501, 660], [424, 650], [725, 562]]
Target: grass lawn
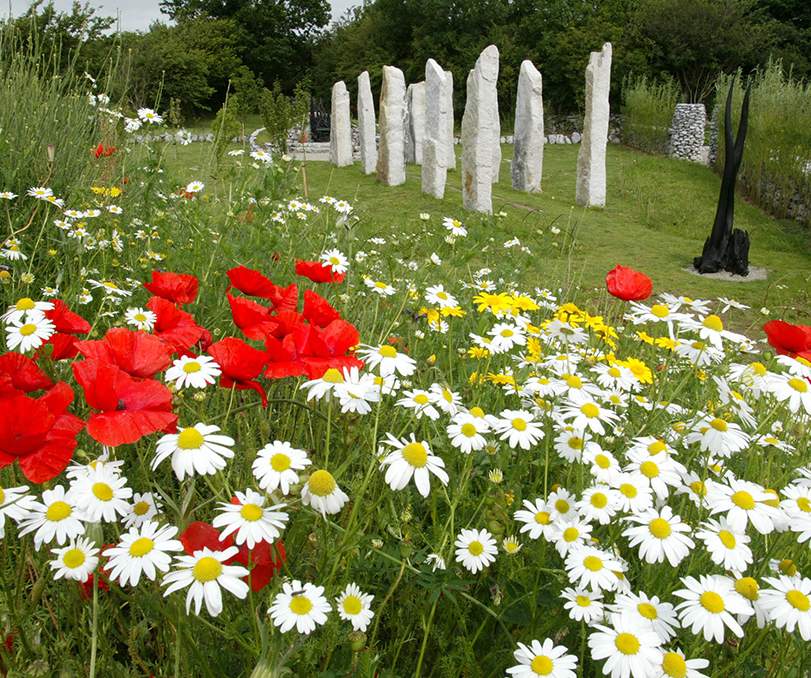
[[658, 213]]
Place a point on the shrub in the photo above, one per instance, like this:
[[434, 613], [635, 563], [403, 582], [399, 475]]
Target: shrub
[[280, 113], [648, 110], [776, 167]]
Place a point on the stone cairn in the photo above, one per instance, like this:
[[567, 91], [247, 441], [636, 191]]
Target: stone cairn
[[340, 133], [687, 132], [438, 153], [481, 133], [415, 122], [391, 153], [591, 158], [367, 137], [527, 164]]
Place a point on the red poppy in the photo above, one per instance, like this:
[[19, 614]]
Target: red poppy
[[179, 288], [39, 433], [86, 586], [263, 561], [105, 151], [318, 310], [254, 284], [318, 272], [139, 354], [129, 408], [19, 375], [199, 535], [628, 284], [175, 327], [67, 324], [788, 339], [251, 318], [241, 365]]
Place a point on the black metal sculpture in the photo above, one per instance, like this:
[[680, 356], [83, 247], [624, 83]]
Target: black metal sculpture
[[319, 121], [727, 248]]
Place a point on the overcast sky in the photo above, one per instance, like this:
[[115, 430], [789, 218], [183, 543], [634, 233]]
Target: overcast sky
[[137, 14]]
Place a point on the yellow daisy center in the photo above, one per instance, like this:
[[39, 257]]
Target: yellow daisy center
[[799, 385], [207, 569], [699, 488], [590, 410], [251, 512], [712, 602], [592, 563], [647, 610], [787, 567], [102, 491], [742, 499], [73, 558], [542, 518], [576, 443], [573, 381], [713, 322], [300, 605], [628, 490], [352, 605], [659, 528], [280, 462], [570, 534], [333, 376], [190, 439], [468, 430], [583, 601], [727, 539], [614, 372], [388, 351], [562, 506], [415, 454], [28, 329], [2, 495], [25, 304], [803, 503], [476, 548], [421, 399], [140, 317], [602, 461], [191, 367], [519, 424], [719, 425], [747, 587], [141, 508], [657, 447], [599, 500], [627, 643], [542, 665], [57, 511], [649, 469], [477, 412], [140, 547], [660, 310], [798, 600], [322, 483], [673, 665]]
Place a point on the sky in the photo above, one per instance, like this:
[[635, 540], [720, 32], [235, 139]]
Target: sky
[[136, 14]]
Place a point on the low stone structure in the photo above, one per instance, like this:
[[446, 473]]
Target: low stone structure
[[340, 133], [591, 187], [687, 132]]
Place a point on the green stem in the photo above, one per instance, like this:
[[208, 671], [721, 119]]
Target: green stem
[[425, 639], [95, 637]]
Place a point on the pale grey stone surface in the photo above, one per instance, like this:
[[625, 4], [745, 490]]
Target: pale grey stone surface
[[527, 164], [481, 133], [687, 132], [366, 125], [340, 133], [438, 108], [415, 122], [591, 187], [448, 139], [391, 153]]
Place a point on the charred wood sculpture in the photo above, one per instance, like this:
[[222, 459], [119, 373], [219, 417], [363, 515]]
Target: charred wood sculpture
[[727, 248]]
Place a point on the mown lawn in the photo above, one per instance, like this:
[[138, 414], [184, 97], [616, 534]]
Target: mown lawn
[[658, 213]]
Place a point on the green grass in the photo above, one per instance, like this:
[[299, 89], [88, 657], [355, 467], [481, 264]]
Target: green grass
[[658, 213]]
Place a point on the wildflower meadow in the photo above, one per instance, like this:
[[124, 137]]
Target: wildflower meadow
[[249, 428]]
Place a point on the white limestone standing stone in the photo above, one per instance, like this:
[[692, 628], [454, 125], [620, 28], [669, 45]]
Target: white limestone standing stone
[[366, 125], [340, 132], [527, 165], [391, 154], [480, 133], [415, 127], [591, 158], [436, 144], [447, 135]]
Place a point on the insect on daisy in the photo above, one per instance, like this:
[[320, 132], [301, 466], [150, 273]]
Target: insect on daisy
[[250, 519], [204, 573], [412, 458], [354, 606], [75, 561], [189, 372], [142, 550], [276, 466], [543, 659], [322, 493], [475, 549], [195, 450], [298, 605]]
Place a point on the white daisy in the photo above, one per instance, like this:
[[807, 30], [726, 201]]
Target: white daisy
[[195, 450], [75, 561], [335, 260], [465, 432], [518, 428], [55, 517], [709, 604], [354, 606], [101, 495], [276, 466], [388, 360], [412, 458], [475, 549], [659, 535], [143, 507], [250, 519], [648, 612], [188, 372], [627, 648], [26, 308], [543, 659], [726, 546], [537, 519], [142, 550], [788, 603], [302, 606], [322, 493], [583, 605], [140, 318], [28, 335], [590, 567], [325, 385]]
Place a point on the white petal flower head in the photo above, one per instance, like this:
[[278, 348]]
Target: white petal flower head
[[412, 458], [26, 308], [627, 648], [322, 493], [543, 659], [710, 604], [518, 428], [205, 573], [195, 450], [475, 549], [76, 561], [250, 520], [388, 360], [142, 550], [189, 372], [660, 535], [354, 606], [788, 603], [101, 495], [277, 464], [29, 334], [55, 517], [302, 606]]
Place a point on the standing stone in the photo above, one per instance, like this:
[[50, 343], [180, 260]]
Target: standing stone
[[480, 133], [391, 154], [527, 165], [415, 128], [366, 125], [438, 145], [447, 135], [591, 158], [340, 129]]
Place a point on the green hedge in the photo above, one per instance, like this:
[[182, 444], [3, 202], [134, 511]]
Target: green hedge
[[647, 113]]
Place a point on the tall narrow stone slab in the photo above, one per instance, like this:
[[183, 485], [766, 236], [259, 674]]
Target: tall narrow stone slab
[[591, 158], [340, 131], [366, 125], [480, 133], [447, 125], [438, 145], [391, 153], [415, 126], [527, 165]]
